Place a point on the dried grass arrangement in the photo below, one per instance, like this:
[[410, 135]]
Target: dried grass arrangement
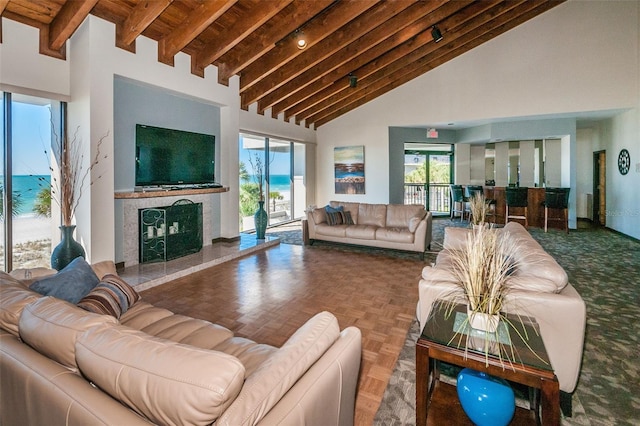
[[479, 209], [67, 187], [482, 268], [258, 173]]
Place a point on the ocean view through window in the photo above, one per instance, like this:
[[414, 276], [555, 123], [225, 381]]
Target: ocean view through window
[[27, 176]]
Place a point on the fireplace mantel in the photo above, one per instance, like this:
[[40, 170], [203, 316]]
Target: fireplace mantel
[[168, 192]]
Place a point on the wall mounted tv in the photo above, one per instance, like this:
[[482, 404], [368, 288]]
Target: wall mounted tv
[[173, 157]]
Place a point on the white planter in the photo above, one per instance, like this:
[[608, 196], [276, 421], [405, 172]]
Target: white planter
[[483, 321]]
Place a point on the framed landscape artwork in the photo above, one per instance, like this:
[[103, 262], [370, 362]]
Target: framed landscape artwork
[[349, 169]]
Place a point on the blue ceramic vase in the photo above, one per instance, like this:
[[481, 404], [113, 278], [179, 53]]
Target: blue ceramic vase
[[487, 400], [67, 250], [260, 219]]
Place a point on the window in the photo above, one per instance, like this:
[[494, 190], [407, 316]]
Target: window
[[283, 167], [27, 137]]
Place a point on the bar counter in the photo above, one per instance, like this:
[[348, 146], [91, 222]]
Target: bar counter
[[535, 210]]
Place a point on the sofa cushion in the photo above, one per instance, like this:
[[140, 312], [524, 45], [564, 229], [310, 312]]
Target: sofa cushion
[[190, 331], [319, 216], [112, 296], [395, 235], [361, 232], [14, 296], [339, 218], [167, 382], [29, 275], [263, 389], [51, 326], [330, 209], [72, 283], [347, 207], [332, 231], [372, 214], [250, 353], [399, 215]]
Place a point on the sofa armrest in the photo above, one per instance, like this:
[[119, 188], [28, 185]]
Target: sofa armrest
[[326, 393]]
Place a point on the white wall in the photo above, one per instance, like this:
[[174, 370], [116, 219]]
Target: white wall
[[539, 68], [86, 79]]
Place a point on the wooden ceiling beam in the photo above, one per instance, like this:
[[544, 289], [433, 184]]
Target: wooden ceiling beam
[[245, 25], [142, 15], [315, 31], [429, 62], [314, 55], [340, 64], [67, 22], [291, 95], [265, 37], [405, 57], [465, 21], [197, 21]]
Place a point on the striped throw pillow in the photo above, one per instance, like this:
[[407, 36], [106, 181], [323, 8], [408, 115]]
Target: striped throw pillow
[[112, 296], [339, 218]]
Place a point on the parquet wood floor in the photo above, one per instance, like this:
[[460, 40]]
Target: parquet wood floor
[[267, 296]]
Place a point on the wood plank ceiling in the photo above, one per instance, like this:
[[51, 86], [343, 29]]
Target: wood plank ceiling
[[375, 46]]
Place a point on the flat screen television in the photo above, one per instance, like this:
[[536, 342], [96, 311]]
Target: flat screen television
[[173, 157]]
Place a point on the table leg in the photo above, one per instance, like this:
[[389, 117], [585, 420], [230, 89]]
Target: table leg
[[550, 402], [422, 384]]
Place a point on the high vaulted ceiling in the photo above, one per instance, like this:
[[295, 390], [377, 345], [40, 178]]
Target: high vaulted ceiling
[[384, 44]]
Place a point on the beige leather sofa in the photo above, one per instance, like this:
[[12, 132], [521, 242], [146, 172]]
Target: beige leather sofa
[[393, 226], [60, 364], [538, 288]]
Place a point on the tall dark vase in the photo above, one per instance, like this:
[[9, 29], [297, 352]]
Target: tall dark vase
[[67, 250], [260, 219]]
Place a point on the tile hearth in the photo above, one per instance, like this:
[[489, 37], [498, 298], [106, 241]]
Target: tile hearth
[[148, 275]]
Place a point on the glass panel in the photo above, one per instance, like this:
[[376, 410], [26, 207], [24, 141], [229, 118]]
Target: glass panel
[[31, 177], [415, 178], [251, 148], [439, 179], [279, 181], [299, 199], [2, 183]]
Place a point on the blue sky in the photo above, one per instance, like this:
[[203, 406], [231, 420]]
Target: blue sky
[[31, 134]]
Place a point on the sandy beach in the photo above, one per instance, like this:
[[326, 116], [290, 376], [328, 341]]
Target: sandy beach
[[31, 242], [31, 228]]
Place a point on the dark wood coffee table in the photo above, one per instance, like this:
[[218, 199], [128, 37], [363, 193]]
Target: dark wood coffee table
[[529, 366]]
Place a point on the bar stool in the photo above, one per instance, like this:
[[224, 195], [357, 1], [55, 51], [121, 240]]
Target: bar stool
[[516, 197], [557, 199], [457, 198], [490, 202]]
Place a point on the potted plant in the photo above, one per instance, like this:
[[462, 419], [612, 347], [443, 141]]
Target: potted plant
[[67, 185], [260, 216], [482, 268]]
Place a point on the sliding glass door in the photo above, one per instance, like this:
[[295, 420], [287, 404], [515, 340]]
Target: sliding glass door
[[428, 174], [27, 138], [282, 165]]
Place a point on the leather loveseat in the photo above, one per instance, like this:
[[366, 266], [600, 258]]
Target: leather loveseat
[[61, 364], [393, 226], [538, 288]]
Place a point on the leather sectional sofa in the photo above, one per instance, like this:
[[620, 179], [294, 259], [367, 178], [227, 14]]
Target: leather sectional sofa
[[61, 364], [393, 226], [539, 288]]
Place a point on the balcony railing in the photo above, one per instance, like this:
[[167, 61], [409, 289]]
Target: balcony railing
[[437, 200]]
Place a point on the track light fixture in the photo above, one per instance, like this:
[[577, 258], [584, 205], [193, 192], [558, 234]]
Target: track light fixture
[[436, 34], [353, 80], [301, 42]]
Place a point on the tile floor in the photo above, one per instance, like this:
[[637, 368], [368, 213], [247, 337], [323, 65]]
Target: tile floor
[[148, 275]]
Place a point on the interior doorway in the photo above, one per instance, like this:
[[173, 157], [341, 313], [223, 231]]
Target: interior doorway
[[599, 188], [427, 176]]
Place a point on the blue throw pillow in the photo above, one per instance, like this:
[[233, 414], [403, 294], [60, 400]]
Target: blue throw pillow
[[330, 209], [72, 283]]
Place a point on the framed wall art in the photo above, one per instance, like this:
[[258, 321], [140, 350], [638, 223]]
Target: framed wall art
[[349, 169]]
